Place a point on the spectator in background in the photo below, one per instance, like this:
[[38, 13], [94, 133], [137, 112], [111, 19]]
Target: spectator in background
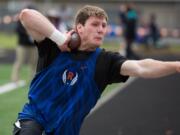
[[130, 23], [122, 17], [154, 34], [25, 50]]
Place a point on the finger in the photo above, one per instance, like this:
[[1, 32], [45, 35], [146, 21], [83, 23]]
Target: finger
[[69, 34], [178, 67], [68, 49], [71, 31], [65, 48]]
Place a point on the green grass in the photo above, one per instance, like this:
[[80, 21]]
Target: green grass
[[111, 88], [111, 46], [6, 73], [8, 40], [175, 49], [11, 102]]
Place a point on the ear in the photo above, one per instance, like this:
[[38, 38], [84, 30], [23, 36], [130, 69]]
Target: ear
[[79, 28]]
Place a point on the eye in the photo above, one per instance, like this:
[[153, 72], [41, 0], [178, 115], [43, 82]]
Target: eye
[[104, 25], [95, 24]]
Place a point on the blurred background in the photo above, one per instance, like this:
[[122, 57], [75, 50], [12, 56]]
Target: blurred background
[[157, 35], [165, 12]]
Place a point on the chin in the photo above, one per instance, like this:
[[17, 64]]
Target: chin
[[98, 44]]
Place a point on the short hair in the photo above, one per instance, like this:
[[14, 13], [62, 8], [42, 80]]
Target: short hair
[[87, 11]]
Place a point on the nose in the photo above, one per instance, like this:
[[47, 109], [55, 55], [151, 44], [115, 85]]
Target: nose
[[100, 29]]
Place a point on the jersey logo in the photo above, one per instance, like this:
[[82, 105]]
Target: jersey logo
[[69, 77]]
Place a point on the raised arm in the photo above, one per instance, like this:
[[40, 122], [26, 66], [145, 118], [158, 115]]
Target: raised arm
[[39, 27], [149, 68]]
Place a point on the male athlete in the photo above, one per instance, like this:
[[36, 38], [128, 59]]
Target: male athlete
[[68, 84]]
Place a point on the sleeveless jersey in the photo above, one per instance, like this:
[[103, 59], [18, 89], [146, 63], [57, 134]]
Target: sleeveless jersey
[[62, 94]]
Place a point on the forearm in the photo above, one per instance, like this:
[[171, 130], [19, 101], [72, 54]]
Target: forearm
[[149, 68], [39, 27], [153, 69]]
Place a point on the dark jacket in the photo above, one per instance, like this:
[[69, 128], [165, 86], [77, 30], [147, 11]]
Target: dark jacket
[[23, 38]]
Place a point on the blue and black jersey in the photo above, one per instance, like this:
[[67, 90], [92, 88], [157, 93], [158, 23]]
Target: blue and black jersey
[[68, 85], [107, 68]]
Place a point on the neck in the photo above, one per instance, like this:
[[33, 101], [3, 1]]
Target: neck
[[87, 48]]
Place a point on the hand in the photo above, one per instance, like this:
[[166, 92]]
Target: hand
[[64, 47], [178, 67]]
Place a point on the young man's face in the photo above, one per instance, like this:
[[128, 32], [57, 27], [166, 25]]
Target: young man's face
[[92, 32]]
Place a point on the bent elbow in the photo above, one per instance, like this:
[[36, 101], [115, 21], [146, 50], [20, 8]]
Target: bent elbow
[[25, 15]]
